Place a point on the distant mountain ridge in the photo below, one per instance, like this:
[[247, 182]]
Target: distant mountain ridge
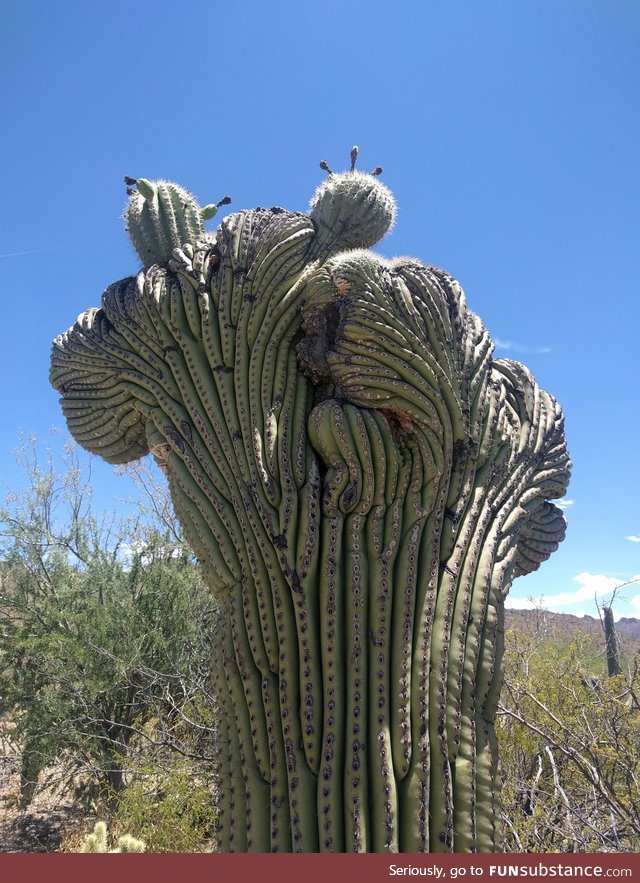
[[627, 627]]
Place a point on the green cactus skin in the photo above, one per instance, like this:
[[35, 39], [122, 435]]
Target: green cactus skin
[[611, 643], [161, 216], [361, 481], [352, 210]]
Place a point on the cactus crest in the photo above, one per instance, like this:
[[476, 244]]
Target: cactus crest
[[353, 209], [361, 480], [161, 216]]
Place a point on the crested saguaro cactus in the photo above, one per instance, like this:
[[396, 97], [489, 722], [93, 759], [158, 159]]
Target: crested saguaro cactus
[[361, 481]]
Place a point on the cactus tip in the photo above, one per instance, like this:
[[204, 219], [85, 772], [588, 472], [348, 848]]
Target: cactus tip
[[146, 188], [208, 211], [364, 211]]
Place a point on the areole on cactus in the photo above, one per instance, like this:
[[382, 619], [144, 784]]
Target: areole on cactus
[[361, 480]]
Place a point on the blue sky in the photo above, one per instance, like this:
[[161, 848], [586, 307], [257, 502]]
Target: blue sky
[[509, 133]]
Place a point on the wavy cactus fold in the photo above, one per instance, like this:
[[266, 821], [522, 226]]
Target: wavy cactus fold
[[361, 480]]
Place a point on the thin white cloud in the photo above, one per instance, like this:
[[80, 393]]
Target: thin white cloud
[[634, 603], [633, 538], [598, 585], [521, 603], [564, 504], [512, 346], [591, 587]]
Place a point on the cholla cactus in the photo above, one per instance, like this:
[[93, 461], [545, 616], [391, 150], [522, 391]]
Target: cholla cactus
[[362, 481], [98, 842]]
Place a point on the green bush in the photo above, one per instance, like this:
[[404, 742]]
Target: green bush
[[170, 807], [105, 626]]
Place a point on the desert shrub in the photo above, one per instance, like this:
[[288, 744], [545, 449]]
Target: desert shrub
[[105, 627], [570, 746], [169, 806]]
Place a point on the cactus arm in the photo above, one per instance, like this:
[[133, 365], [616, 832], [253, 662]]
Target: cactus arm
[[252, 748], [284, 261], [251, 682], [232, 807], [331, 786], [309, 619], [403, 632], [355, 772], [280, 816], [381, 698], [159, 217]]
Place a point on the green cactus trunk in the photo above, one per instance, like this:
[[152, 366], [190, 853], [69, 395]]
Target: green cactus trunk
[[611, 643], [361, 482]]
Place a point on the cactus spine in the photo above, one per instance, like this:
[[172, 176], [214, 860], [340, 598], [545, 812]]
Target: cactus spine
[[361, 480]]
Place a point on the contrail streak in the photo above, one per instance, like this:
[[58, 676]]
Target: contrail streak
[[15, 254]]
